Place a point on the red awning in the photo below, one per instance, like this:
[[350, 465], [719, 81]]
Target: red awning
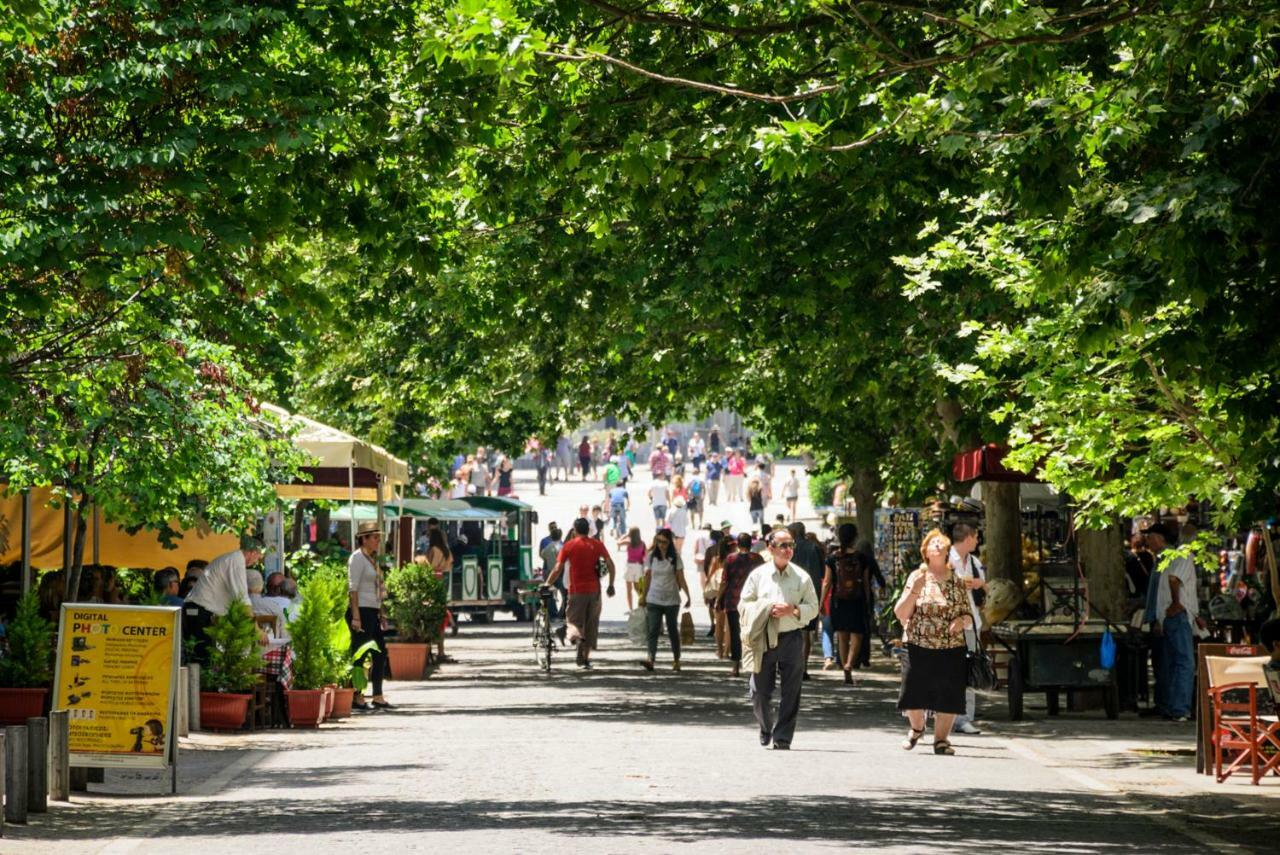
[[985, 464]]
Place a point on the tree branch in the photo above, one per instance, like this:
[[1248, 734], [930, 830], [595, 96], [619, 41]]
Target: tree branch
[[668, 19], [865, 141], [718, 89]]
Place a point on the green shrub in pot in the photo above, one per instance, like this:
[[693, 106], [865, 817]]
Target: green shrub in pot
[[28, 661], [234, 657], [416, 603]]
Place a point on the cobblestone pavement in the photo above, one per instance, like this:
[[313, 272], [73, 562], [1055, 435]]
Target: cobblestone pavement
[[491, 756]]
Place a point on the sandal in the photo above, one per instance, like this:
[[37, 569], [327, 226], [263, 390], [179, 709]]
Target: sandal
[[943, 747], [912, 739]]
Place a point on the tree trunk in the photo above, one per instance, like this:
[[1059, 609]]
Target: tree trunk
[[1102, 558], [77, 554], [866, 486], [295, 530], [1003, 531]]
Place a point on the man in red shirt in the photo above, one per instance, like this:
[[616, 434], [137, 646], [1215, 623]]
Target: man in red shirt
[[582, 615]]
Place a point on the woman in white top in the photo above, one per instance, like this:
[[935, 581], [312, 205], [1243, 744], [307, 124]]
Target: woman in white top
[[678, 522], [663, 582], [791, 493], [364, 616]]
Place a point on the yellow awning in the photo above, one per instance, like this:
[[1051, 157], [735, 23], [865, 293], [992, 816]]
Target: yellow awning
[[118, 548], [337, 494]]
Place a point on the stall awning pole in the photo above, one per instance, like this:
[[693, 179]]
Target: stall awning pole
[[351, 502], [379, 483], [27, 581], [399, 522]]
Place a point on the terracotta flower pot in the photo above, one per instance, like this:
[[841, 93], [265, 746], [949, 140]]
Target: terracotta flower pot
[[408, 661], [306, 707], [342, 699], [328, 700], [223, 710], [18, 705]]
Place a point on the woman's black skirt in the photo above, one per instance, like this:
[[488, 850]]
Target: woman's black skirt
[[849, 616], [933, 680]]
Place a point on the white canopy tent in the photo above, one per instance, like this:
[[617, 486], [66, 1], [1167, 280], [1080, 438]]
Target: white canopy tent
[[346, 468]]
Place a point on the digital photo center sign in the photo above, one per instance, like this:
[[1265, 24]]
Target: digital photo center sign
[[117, 677]]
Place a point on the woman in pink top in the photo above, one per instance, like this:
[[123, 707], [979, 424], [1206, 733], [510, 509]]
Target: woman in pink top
[[635, 561], [735, 469]]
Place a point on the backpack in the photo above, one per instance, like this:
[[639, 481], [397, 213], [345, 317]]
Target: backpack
[[850, 575], [695, 489]]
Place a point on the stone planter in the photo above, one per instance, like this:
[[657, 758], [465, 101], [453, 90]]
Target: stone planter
[[18, 705], [223, 710], [408, 661], [305, 707]]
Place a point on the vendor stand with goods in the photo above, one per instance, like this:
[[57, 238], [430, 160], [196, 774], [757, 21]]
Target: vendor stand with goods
[[1042, 631]]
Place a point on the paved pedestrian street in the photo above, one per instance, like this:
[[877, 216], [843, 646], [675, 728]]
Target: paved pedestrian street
[[489, 755]]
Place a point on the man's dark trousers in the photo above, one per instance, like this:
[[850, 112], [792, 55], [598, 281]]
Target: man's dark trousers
[[787, 660]]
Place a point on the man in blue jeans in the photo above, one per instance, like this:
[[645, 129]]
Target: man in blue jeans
[[619, 502], [1177, 613]]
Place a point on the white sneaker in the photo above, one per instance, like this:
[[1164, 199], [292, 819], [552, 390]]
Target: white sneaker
[[968, 727]]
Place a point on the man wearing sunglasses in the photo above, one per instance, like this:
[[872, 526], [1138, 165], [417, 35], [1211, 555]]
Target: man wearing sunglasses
[[777, 601]]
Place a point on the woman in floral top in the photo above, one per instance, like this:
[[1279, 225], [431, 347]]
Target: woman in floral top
[[934, 608]]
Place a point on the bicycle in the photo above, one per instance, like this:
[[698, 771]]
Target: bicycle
[[543, 640]]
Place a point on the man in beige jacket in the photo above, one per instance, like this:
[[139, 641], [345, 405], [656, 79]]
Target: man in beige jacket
[[778, 600]]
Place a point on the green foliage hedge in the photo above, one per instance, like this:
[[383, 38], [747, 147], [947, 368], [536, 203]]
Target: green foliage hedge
[[27, 664]]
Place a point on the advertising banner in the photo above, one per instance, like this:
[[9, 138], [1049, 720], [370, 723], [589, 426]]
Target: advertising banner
[[117, 676]]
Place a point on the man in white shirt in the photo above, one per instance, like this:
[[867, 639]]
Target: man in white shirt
[[794, 603], [697, 451], [222, 583], [965, 564], [1178, 610], [658, 497]]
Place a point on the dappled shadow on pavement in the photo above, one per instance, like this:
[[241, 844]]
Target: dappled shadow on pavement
[[974, 821]]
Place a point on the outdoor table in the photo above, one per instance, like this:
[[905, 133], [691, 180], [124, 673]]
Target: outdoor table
[[278, 663], [1051, 657]]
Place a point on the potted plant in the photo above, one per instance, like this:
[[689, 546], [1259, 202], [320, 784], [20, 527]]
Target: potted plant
[[25, 670], [416, 604], [310, 633], [229, 676], [354, 678]]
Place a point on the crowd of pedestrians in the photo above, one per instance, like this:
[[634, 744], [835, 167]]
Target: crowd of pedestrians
[[774, 592]]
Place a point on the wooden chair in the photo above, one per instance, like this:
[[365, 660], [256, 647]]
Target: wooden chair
[[260, 707], [1246, 731], [270, 623]]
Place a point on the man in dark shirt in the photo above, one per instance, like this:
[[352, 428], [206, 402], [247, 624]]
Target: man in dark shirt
[[808, 555]]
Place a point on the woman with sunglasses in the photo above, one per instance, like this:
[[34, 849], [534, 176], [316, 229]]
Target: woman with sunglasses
[[663, 582], [934, 609]]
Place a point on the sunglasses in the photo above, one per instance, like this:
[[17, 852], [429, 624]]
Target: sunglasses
[[784, 544]]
